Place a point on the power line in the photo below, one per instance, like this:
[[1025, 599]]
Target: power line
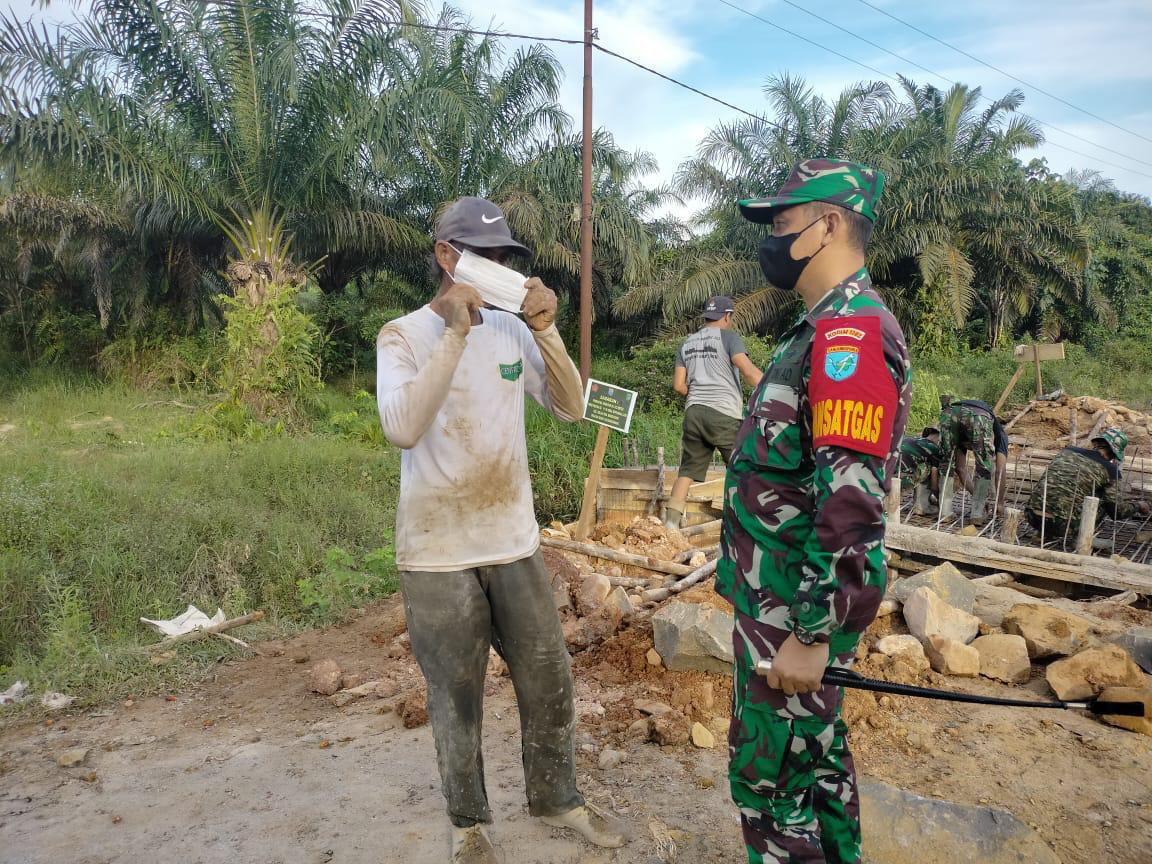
[[689, 87], [944, 77], [237, 4], [891, 77], [1006, 74]]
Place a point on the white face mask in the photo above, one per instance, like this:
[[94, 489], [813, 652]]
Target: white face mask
[[498, 285]]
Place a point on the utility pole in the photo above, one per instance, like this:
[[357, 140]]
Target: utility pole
[[586, 206]]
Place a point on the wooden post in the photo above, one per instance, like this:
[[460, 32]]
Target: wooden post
[[1039, 380], [586, 204], [656, 506], [947, 495], [1087, 525], [892, 502], [1073, 415], [592, 486], [1008, 390], [1011, 524]]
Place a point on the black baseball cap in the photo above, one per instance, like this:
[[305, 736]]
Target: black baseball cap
[[929, 430], [718, 307], [478, 223]]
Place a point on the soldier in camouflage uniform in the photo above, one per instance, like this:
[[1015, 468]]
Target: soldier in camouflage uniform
[[970, 426], [1075, 473], [802, 545], [919, 469]]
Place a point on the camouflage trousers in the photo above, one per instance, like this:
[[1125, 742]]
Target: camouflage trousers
[[789, 768], [912, 476], [979, 438]]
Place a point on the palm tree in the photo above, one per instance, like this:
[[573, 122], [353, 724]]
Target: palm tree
[[204, 116], [746, 159]]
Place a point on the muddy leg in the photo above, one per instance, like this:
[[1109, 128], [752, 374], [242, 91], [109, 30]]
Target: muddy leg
[[526, 629], [450, 624]]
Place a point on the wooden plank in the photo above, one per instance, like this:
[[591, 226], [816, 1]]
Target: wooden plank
[[1087, 525], [610, 554], [592, 486], [1043, 352], [1025, 560], [1016, 419], [1008, 390]]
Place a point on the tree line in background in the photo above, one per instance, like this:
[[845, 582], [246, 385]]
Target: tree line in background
[[244, 191]]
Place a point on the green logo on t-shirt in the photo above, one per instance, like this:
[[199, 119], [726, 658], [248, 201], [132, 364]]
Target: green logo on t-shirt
[[511, 371]]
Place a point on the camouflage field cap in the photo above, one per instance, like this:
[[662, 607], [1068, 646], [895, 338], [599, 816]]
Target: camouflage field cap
[[1115, 438], [833, 181]]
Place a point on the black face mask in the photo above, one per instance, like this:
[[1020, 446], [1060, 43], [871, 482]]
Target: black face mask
[[777, 263]]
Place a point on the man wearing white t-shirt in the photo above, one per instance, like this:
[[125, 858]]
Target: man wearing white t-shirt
[[451, 382]]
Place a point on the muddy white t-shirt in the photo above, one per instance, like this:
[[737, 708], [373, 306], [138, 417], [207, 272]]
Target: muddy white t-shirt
[[465, 493]]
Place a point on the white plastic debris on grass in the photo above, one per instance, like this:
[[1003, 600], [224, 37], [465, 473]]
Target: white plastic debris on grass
[[56, 701], [14, 694], [191, 619]]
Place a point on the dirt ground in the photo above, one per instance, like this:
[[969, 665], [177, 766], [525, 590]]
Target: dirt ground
[[251, 767]]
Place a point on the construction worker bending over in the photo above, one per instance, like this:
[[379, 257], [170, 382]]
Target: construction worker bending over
[[802, 542], [451, 382], [969, 426], [920, 469], [1074, 474], [708, 370]]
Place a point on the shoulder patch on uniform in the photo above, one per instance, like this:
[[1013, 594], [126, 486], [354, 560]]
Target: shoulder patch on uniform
[[854, 399]]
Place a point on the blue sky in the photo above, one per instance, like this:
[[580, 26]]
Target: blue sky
[[1094, 55]]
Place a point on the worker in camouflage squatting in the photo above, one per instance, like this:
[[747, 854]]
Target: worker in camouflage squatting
[[970, 426], [1075, 473], [920, 469], [802, 544]]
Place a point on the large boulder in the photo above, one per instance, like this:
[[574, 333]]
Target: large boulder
[[694, 636], [950, 585], [1048, 632], [1004, 657], [1091, 672], [950, 657], [906, 647], [1143, 724], [902, 828], [1138, 643], [325, 677], [927, 616], [993, 602], [594, 590], [619, 601]]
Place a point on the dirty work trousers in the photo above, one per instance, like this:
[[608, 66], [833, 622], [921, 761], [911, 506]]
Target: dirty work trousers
[[453, 618], [789, 767]]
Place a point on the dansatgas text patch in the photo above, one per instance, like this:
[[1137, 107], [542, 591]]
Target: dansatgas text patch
[[852, 393]]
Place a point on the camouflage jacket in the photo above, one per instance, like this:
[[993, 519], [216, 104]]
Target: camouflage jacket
[[803, 531], [1075, 473], [916, 453]]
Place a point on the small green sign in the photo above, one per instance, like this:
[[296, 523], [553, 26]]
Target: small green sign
[[511, 371], [609, 405]]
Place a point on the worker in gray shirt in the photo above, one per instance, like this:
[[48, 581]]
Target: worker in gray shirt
[[708, 369]]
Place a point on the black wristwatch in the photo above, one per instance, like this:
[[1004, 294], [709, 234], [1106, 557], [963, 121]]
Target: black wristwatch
[[803, 636]]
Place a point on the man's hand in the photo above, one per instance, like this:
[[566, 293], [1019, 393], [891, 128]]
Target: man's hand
[[540, 305], [798, 668], [456, 306]]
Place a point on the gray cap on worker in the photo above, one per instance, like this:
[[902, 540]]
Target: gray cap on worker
[[477, 223], [718, 307]]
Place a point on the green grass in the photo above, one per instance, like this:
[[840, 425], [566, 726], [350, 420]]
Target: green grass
[[1120, 370], [116, 503], [112, 509]]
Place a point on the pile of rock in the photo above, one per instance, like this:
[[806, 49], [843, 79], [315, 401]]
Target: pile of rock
[[967, 628]]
